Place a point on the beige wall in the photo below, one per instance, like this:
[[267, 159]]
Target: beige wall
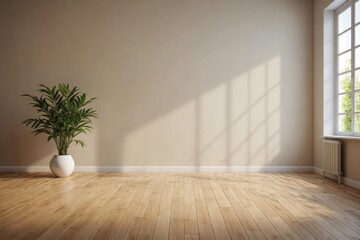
[[351, 159], [351, 148], [203, 82]]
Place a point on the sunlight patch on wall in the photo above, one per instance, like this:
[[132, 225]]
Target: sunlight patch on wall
[[237, 122], [255, 127], [257, 115], [273, 108], [257, 83]]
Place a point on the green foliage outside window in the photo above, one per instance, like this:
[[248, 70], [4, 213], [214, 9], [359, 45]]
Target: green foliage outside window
[[345, 104]]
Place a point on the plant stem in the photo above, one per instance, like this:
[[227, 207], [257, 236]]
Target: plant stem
[[62, 145]]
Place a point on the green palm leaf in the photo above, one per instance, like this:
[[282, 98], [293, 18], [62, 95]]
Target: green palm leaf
[[62, 114]]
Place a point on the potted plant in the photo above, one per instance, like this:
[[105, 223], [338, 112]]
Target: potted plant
[[62, 115]]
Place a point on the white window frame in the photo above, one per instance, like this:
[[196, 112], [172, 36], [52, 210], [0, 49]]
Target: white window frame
[[338, 11]]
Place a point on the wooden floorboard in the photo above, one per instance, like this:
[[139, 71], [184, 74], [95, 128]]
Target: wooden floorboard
[[177, 206]]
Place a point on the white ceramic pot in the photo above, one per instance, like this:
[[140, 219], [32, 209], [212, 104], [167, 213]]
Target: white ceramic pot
[[62, 165]]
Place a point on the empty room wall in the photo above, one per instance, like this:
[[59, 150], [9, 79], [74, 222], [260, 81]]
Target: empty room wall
[[193, 83]]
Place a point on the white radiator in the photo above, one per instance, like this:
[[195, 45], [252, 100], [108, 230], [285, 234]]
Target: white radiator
[[331, 158]]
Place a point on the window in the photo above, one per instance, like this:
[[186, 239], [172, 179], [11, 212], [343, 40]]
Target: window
[[347, 55]]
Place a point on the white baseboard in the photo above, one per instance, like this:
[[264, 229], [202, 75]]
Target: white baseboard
[[317, 170], [193, 169], [346, 181], [165, 169], [351, 183]]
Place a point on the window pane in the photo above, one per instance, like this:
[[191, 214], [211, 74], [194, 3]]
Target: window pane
[[345, 41], [344, 20], [345, 123], [345, 103], [357, 101], [345, 83], [357, 123], [357, 35], [357, 12], [357, 80], [345, 62], [357, 57]]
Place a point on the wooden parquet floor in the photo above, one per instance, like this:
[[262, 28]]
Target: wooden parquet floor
[[177, 206]]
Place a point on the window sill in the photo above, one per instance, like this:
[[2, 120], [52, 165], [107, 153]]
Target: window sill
[[341, 137]]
